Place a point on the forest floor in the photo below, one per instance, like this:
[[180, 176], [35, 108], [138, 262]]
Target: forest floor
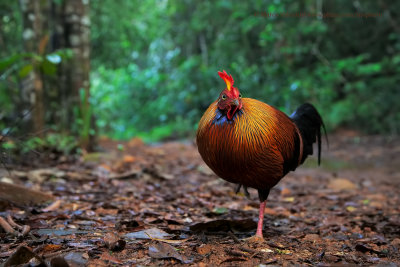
[[159, 205]]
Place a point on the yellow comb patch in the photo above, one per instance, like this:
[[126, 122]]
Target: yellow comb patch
[[227, 78], [228, 84]]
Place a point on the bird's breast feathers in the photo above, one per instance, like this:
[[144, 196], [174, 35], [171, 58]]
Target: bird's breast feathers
[[255, 120], [254, 140]]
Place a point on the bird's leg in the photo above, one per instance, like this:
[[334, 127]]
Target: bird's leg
[[261, 219], [238, 188], [258, 238], [246, 192], [262, 195]]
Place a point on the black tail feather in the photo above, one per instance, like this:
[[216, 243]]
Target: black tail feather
[[309, 122]]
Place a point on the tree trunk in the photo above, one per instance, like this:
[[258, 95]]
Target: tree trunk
[[77, 25], [35, 42], [67, 25]]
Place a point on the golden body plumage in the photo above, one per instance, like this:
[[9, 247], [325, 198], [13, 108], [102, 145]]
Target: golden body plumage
[[256, 148]]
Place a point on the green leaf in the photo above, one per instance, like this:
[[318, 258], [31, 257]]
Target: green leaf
[[369, 69], [25, 70], [48, 67], [7, 62], [220, 210]]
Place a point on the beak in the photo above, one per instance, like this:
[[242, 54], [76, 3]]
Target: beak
[[235, 102], [233, 108]]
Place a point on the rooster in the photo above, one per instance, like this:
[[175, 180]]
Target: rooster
[[252, 144]]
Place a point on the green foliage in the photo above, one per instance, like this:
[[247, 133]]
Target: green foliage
[[143, 100], [24, 63], [161, 81], [154, 63], [13, 69], [54, 142]]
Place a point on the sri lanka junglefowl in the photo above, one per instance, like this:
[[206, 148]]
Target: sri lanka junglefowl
[[252, 144]]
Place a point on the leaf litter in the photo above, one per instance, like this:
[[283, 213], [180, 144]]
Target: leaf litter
[[160, 205]]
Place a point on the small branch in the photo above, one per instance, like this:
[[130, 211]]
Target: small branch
[[25, 230], [127, 175], [53, 206], [234, 237], [237, 253], [6, 226], [12, 223]]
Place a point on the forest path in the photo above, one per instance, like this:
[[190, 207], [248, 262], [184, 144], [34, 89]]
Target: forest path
[[346, 211]]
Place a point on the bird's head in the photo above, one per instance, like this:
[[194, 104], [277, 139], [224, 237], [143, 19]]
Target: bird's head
[[230, 99]]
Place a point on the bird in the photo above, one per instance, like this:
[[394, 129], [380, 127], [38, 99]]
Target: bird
[[252, 144]]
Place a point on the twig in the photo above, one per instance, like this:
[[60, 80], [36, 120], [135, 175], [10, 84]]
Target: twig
[[7, 227], [237, 253], [25, 230], [58, 253], [127, 175], [250, 250], [167, 240], [234, 237], [53, 206], [12, 223]]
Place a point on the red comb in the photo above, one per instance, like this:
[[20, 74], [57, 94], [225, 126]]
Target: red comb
[[227, 78]]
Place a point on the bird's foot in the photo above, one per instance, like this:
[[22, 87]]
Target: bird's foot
[[246, 192], [254, 239]]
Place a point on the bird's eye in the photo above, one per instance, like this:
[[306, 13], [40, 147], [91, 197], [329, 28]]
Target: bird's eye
[[240, 95], [223, 97]]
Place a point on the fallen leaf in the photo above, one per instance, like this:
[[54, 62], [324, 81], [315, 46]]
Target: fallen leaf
[[53, 206], [283, 251], [129, 159], [205, 249], [350, 208], [165, 251], [22, 255], [75, 259], [51, 248], [285, 191], [107, 257], [341, 184], [170, 241], [266, 250], [376, 204], [288, 199], [396, 242], [60, 232], [135, 142], [366, 201], [21, 195], [248, 207], [225, 226], [103, 211], [220, 210], [312, 237], [148, 234], [40, 175], [114, 242], [58, 262], [270, 211]]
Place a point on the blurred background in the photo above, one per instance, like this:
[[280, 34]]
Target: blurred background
[[73, 70]]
